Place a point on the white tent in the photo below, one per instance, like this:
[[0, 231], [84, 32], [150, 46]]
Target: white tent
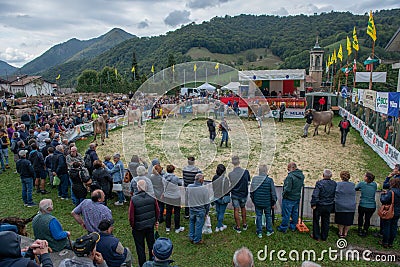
[[232, 86], [206, 86]]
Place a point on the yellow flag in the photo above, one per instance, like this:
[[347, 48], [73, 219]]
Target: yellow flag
[[348, 47], [152, 68], [173, 68], [58, 77], [116, 72], [195, 68], [133, 69], [217, 66], [329, 60], [371, 30], [334, 59], [355, 39], [340, 53]]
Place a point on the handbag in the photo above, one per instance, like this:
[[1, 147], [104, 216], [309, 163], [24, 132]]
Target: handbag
[[117, 187], [386, 211], [56, 180]]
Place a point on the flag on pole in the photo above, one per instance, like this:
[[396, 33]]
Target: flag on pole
[[371, 30], [340, 53], [329, 61], [133, 69], [327, 66], [348, 47], [333, 58], [217, 66], [152, 68], [116, 72], [58, 77], [195, 68], [173, 68], [355, 39]]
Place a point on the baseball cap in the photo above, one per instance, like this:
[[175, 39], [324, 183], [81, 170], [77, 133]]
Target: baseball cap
[[22, 153], [85, 244], [105, 224], [162, 248]]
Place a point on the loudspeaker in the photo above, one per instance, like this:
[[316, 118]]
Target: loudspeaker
[[302, 93]]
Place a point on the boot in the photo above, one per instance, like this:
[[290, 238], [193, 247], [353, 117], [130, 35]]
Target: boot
[[360, 232], [221, 143]]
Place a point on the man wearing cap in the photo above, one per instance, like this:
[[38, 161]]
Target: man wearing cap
[[86, 255], [93, 211], [143, 216], [162, 250], [188, 173], [111, 248], [117, 173], [26, 172], [47, 227]]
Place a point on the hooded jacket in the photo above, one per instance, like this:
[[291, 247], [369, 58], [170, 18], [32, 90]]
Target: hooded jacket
[[292, 185]]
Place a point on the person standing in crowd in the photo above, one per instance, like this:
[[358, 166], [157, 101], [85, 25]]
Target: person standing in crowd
[[5, 143], [291, 195], [93, 212], [243, 258], [309, 118], [172, 199], [60, 169], [74, 156], [158, 182], [46, 227], [344, 126], [323, 204], [79, 177], [14, 145], [221, 110], [222, 195], [240, 179], [199, 206], [189, 172], [101, 179], [27, 174], [322, 103], [162, 251], [345, 204], [143, 217], [41, 137], [45, 149], [135, 163], [389, 226], [90, 157], [263, 195], [108, 163], [282, 110], [114, 253], [37, 160], [154, 162], [224, 128], [48, 162], [394, 174], [211, 129], [117, 173], [367, 205]]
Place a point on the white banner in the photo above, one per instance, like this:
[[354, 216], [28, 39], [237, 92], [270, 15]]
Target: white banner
[[385, 150], [290, 113], [360, 96], [377, 77], [382, 102], [369, 99]]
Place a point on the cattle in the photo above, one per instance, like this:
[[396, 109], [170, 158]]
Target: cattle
[[135, 115], [259, 110], [19, 112], [99, 127], [203, 108], [322, 118], [167, 109], [5, 120]]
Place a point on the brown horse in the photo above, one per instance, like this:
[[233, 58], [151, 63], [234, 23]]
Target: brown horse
[[99, 127]]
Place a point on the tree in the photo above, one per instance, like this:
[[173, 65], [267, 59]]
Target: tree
[[88, 77], [251, 56], [171, 60]]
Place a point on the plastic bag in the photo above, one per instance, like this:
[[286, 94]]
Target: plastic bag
[[56, 180]]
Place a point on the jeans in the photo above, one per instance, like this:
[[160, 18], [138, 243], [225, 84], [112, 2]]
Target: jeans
[[306, 126], [268, 219], [3, 167], [212, 135], [220, 208], [63, 186], [343, 137], [120, 194], [161, 205], [389, 228], [139, 236], [290, 209], [75, 200], [177, 216], [27, 187], [5, 154], [196, 223], [221, 114], [323, 213], [367, 212]]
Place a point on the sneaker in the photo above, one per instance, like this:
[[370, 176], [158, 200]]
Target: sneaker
[[224, 227], [281, 230], [259, 235], [270, 233], [119, 203], [38, 191], [237, 229], [25, 204], [30, 205], [64, 198], [245, 227], [167, 230], [187, 216], [43, 192], [181, 229], [217, 229]]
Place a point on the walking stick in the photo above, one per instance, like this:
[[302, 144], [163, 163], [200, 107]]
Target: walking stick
[[300, 224]]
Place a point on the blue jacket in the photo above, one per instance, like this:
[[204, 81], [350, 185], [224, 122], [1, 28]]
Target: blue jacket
[[60, 166], [117, 172], [263, 192], [240, 178], [25, 168], [107, 246], [324, 193]]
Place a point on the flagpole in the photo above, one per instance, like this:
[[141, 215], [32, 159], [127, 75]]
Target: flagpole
[[372, 65], [184, 77], [355, 69], [206, 76]]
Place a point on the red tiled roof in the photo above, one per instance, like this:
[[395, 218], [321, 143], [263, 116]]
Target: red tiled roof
[[25, 80]]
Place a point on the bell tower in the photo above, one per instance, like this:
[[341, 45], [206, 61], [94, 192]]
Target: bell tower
[[316, 61]]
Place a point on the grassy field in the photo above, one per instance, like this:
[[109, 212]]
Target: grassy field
[[319, 153]]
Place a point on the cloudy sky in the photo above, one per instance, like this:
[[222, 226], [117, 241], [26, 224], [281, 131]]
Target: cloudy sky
[[29, 28]]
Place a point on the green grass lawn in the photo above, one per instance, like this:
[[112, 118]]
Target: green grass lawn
[[219, 247]]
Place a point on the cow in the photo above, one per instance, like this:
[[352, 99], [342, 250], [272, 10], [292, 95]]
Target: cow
[[99, 127], [19, 112], [168, 109], [135, 115], [203, 108], [259, 110], [322, 118], [5, 120]]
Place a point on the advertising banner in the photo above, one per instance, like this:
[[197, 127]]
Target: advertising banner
[[382, 102], [394, 101], [290, 113], [369, 99]]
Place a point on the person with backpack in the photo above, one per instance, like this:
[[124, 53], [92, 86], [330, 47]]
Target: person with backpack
[[344, 126], [101, 179], [60, 169], [78, 178], [37, 160], [90, 157], [5, 143], [14, 145]]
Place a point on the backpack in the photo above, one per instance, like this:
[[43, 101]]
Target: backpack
[[345, 124], [83, 175], [87, 161]]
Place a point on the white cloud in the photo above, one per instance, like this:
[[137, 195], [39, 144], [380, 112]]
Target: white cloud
[[15, 56], [177, 17]]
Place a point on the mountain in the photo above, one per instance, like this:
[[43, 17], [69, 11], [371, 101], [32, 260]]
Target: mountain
[[75, 49], [287, 39], [6, 69]]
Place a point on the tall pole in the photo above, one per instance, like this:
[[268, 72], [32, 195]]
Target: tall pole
[[355, 69], [372, 66], [184, 77]]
